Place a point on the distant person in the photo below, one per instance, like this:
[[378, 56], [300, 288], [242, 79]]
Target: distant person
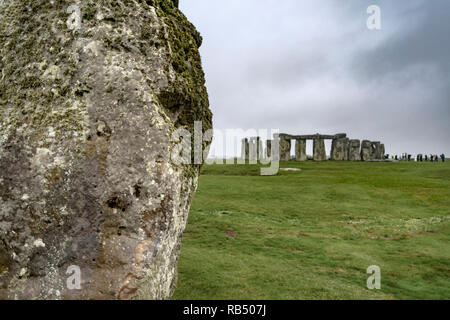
[[443, 157], [409, 157], [426, 158], [396, 157], [436, 158], [431, 157]]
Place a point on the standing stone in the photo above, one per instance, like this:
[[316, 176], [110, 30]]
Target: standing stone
[[300, 150], [268, 149], [376, 150], [366, 148], [260, 149], [275, 148], [285, 149], [319, 150], [372, 151], [346, 149], [354, 152], [245, 149], [334, 150], [87, 184], [253, 149], [339, 149], [383, 151]]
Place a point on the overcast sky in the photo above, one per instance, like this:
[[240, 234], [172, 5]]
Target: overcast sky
[[308, 66]]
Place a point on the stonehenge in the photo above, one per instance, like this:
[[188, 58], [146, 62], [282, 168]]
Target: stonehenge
[[260, 149], [366, 150], [300, 150], [354, 153], [285, 149], [319, 149], [375, 150], [245, 149], [253, 149], [268, 148], [342, 148]]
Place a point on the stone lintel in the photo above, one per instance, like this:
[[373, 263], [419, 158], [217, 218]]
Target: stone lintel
[[312, 136]]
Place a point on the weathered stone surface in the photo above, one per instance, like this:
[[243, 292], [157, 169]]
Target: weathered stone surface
[[376, 151], [285, 149], [366, 150], [354, 152], [333, 152], [253, 149], [319, 150], [339, 149], [383, 151], [300, 150], [347, 149], [260, 149], [86, 117], [313, 136], [245, 149], [268, 149]]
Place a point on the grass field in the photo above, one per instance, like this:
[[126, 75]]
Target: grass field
[[312, 234]]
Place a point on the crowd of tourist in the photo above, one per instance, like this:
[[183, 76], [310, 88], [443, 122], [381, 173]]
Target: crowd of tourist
[[419, 158]]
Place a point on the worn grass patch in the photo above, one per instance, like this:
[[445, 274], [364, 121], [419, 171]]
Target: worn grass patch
[[312, 234]]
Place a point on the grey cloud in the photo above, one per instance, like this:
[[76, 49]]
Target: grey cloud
[[423, 44], [313, 66]]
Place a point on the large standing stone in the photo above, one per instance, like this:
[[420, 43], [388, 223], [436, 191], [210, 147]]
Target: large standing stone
[[366, 150], [245, 149], [339, 149], [346, 149], [253, 149], [260, 149], [268, 149], [285, 149], [300, 150], [383, 151], [376, 150], [334, 151], [86, 117], [354, 153], [319, 150]]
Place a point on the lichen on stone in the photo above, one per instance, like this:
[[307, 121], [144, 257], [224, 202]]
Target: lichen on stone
[[86, 118]]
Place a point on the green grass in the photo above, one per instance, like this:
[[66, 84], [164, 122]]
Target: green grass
[[312, 234]]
